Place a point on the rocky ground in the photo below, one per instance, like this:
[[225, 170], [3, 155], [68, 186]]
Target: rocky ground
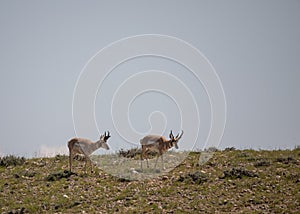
[[231, 181]]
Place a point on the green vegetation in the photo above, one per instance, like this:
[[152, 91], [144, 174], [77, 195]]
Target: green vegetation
[[11, 161], [230, 181], [134, 153]]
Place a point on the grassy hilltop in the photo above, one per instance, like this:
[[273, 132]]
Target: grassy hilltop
[[231, 181]]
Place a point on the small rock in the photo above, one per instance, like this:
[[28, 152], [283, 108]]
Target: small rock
[[165, 178], [132, 170]]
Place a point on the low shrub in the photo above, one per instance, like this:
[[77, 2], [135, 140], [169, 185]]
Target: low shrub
[[11, 160], [262, 163], [59, 175], [130, 153], [195, 177], [134, 152], [230, 149], [211, 149], [285, 160], [245, 155], [238, 172]]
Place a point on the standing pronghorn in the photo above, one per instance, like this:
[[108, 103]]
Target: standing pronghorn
[[86, 147], [159, 144]]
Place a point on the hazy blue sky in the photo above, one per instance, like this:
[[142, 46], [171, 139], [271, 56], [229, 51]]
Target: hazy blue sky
[[254, 47]]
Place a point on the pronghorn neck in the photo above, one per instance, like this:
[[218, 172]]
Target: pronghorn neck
[[97, 144]]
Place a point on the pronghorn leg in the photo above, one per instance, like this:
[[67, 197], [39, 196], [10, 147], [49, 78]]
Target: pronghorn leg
[[144, 155], [162, 160], [70, 160], [156, 161], [142, 159], [91, 163], [86, 160], [147, 161]]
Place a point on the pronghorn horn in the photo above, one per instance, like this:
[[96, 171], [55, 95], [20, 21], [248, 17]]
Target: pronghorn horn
[[180, 135], [171, 135]]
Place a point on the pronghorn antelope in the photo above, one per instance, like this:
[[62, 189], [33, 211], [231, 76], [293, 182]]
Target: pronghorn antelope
[[159, 144], [86, 147]]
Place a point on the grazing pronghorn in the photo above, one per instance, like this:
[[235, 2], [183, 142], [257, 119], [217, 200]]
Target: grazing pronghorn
[[159, 144], [86, 147]]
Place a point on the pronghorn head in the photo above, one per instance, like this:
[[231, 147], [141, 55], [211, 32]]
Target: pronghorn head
[[174, 140], [103, 139]]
